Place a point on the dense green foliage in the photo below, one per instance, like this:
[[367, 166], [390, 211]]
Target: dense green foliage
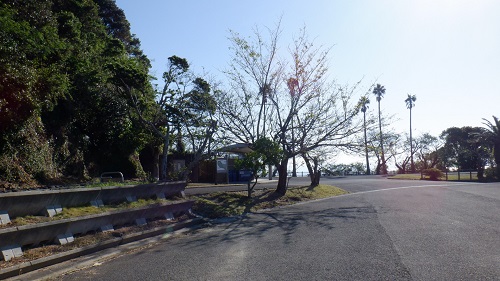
[[60, 112], [433, 173], [264, 152], [465, 149], [183, 112], [491, 136]]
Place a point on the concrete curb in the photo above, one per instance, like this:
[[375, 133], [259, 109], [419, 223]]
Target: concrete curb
[[26, 267]]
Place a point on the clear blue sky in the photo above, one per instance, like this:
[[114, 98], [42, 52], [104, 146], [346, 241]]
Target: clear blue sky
[[446, 52]]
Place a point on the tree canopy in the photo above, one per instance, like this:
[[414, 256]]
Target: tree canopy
[[58, 63]]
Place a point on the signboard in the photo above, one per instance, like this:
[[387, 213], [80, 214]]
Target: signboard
[[221, 165]]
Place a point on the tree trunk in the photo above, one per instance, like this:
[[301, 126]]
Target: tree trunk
[[377, 169], [383, 167], [283, 177], [164, 162], [251, 185], [366, 145], [480, 173], [316, 173], [496, 155], [412, 165], [156, 163]]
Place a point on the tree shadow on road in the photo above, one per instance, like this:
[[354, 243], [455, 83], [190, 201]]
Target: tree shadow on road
[[283, 221]]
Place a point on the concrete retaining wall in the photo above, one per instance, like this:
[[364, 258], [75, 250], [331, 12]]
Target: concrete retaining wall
[[18, 204], [42, 232]]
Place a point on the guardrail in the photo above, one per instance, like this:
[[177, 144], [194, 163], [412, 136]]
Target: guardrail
[[467, 175]]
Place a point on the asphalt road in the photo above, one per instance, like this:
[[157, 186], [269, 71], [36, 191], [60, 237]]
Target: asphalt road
[[384, 230]]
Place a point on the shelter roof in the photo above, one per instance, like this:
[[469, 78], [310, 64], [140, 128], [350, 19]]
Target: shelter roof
[[241, 148]]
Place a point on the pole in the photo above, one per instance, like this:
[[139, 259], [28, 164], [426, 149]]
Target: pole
[[411, 143], [294, 168], [366, 145]]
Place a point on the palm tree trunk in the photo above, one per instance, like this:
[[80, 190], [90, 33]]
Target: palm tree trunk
[[412, 166], [383, 168], [366, 145]]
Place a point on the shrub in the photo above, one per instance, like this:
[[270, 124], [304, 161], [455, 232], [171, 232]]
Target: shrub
[[26, 155], [490, 174], [433, 173]]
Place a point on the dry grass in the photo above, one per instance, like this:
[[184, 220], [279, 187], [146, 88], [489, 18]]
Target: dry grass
[[82, 211], [91, 238], [223, 204]]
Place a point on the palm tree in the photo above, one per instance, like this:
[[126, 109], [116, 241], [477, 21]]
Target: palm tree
[[379, 92], [493, 137], [363, 102], [410, 103]]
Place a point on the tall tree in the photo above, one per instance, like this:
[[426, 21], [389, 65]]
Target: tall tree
[[363, 102], [493, 138], [427, 149], [323, 114], [379, 92], [57, 68], [184, 105], [410, 103], [465, 148]]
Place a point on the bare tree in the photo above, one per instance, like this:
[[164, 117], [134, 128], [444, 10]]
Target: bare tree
[[292, 102], [370, 145], [427, 149], [397, 147]]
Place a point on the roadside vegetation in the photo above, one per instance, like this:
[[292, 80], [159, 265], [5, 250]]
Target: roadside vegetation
[[223, 204]]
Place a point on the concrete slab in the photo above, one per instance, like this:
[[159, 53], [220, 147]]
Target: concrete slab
[[106, 228], [4, 217], [131, 198], [10, 252], [169, 216], [65, 238], [53, 210], [97, 203], [141, 221]]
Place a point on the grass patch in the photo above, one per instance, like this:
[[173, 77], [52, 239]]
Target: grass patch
[[223, 204], [97, 183], [83, 211], [406, 176]]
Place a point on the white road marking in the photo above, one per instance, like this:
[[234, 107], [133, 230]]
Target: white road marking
[[405, 187]]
